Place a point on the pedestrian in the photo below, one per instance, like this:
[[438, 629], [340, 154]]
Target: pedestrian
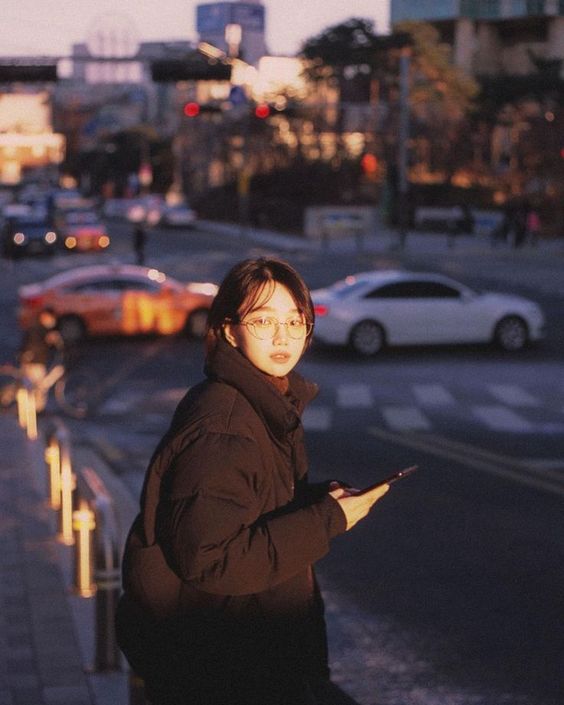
[[533, 226], [139, 240], [221, 605], [40, 343]]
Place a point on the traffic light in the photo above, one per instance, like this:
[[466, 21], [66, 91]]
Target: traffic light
[[262, 111], [369, 164], [28, 73], [193, 109], [193, 68]]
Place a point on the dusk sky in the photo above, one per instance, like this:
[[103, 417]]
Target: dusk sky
[[51, 26]]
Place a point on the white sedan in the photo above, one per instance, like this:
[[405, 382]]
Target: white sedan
[[371, 310]]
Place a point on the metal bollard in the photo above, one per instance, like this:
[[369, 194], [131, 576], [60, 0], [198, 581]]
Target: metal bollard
[[68, 485], [31, 418], [83, 524], [136, 690], [53, 460], [107, 575], [107, 569], [21, 400]]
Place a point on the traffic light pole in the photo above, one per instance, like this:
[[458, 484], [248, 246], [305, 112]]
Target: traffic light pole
[[403, 140]]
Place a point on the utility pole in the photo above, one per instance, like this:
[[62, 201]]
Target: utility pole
[[403, 143]]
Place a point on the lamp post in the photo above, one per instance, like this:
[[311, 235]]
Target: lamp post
[[403, 137]]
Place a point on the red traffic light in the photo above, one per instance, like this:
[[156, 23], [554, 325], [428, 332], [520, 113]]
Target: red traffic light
[[191, 109], [262, 111]]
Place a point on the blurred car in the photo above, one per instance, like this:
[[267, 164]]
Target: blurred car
[[27, 232], [118, 300], [82, 231], [371, 310], [178, 216]]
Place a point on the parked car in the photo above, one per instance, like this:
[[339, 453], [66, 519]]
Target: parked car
[[27, 232], [118, 300], [81, 231], [179, 216], [371, 310]]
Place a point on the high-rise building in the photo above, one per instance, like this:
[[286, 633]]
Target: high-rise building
[[237, 28], [493, 36]]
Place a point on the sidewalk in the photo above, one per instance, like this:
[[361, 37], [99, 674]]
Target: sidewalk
[[386, 240], [47, 632]]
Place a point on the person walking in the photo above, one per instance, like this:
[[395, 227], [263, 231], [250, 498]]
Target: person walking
[[221, 605], [40, 343], [139, 241], [533, 226]]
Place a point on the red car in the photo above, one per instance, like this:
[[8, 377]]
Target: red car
[[82, 231], [118, 300]]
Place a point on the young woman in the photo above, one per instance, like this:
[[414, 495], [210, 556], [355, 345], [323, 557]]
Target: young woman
[[237, 522]]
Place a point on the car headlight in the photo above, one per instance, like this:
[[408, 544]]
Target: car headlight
[[19, 238], [50, 237]]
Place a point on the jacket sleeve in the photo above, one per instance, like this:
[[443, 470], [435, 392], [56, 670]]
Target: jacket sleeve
[[217, 533]]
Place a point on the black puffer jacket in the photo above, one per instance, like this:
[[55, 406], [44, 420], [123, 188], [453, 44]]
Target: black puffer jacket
[[238, 521]]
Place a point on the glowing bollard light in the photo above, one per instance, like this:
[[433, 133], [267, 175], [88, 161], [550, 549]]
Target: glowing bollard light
[[83, 524], [31, 420], [53, 460], [68, 484], [21, 399]]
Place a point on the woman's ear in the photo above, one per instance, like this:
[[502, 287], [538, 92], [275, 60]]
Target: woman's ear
[[229, 335]]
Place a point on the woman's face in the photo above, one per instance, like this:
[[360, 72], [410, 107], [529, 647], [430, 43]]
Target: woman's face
[[276, 355]]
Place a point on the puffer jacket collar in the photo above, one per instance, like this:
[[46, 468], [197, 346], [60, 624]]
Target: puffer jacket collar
[[279, 413]]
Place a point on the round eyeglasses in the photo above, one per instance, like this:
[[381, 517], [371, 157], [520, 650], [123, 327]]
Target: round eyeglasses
[[266, 327]]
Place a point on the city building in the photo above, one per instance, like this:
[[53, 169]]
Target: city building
[[494, 37], [27, 139], [237, 28]]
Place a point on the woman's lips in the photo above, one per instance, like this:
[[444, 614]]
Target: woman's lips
[[280, 357]]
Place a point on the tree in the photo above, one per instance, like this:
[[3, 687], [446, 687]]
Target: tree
[[341, 53]]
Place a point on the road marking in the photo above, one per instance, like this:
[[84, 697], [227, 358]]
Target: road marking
[[474, 458], [499, 418], [354, 396], [317, 418], [433, 395], [405, 418], [513, 395]]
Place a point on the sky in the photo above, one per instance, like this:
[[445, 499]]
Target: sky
[[50, 27]]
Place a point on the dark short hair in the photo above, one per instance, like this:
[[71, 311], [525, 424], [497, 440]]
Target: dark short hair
[[245, 284]]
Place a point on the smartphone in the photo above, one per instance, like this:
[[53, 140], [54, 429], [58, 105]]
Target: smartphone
[[393, 478]]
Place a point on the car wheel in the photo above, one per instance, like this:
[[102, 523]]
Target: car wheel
[[367, 338], [511, 333], [197, 323], [72, 329]]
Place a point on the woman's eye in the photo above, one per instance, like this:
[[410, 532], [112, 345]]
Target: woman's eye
[[295, 323], [262, 322]]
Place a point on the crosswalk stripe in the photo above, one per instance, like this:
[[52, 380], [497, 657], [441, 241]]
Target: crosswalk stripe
[[433, 395], [317, 418], [499, 418], [405, 418], [513, 395], [477, 459], [354, 396]]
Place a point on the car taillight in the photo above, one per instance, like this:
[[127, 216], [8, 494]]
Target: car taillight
[[321, 310], [33, 301]]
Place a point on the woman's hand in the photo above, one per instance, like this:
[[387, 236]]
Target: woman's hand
[[356, 506]]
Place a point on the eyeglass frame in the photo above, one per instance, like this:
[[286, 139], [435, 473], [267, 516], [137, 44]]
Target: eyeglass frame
[[250, 325]]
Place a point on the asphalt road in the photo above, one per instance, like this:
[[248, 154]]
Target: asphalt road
[[452, 591]]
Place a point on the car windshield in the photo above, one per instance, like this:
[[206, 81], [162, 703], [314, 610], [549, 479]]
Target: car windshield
[[347, 286], [81, 218]]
